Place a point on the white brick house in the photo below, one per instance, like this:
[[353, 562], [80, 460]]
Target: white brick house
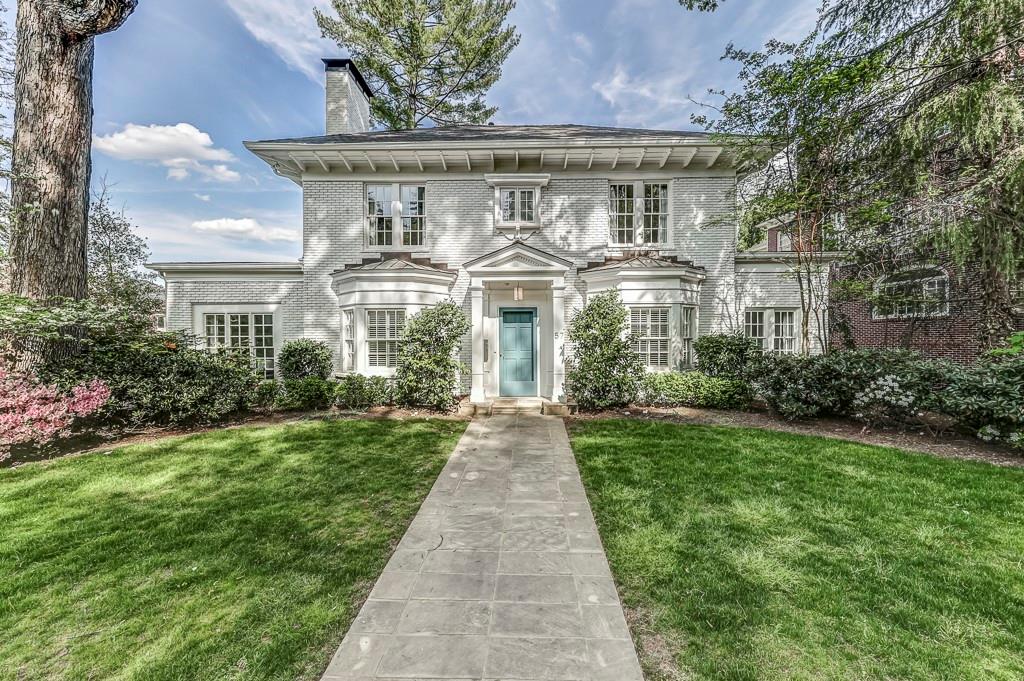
[[517, 224]]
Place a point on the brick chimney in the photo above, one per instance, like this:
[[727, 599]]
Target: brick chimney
[[348, 98]]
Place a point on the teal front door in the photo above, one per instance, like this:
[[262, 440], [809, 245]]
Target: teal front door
[[517, 372]]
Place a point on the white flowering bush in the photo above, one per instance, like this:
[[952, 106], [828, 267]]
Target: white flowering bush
[[886, 400]]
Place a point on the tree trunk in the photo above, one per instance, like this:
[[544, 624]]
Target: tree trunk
[[52, 142]]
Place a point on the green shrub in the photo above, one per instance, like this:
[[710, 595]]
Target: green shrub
[[355, 391], [305, 358], [728, 355], [264, 398], [693, 389], [428, 371], [988, 397], [604, 370], [305, 394], [156, 381]]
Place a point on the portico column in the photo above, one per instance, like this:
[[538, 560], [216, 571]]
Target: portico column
[[558, 329], [476, 295]]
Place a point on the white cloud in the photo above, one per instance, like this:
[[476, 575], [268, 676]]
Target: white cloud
[[245, 229], [183, 149], [655, 100], [289, 28], [206, 198]]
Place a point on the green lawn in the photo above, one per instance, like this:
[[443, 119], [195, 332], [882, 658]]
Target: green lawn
[[236, 554], [748, 554]]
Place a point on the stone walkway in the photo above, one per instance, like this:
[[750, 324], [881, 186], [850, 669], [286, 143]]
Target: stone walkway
[[500, 576]]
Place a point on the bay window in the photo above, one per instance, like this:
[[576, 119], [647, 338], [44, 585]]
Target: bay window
[[688, 331], [383, 337], [650, 327]]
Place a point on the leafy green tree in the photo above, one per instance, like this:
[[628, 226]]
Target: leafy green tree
[[427, 61], [116, 256], [604, 369]]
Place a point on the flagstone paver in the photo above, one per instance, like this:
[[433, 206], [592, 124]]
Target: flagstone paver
[[501, 576]]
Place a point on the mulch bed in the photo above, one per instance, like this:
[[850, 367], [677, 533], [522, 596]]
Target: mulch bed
[[946, 445]]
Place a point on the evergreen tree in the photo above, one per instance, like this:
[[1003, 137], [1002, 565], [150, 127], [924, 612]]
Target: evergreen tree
[[427, 61], [116, 257]]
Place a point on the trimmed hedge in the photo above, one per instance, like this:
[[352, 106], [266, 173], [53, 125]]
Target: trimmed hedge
[[359, 392], [693, 389], [305, 394]]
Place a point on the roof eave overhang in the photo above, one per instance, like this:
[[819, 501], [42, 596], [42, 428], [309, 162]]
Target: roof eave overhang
[[425, 276], [641, 273], [226, 267]]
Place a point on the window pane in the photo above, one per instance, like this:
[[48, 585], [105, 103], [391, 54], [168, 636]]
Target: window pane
[[753, 326], [383, 332], [216, 330], [414, 212], [526, 205], [784, 336], [378, 212], [620, 211], [650, 324], [238, 325], [655, 213], [688, 330], [263, 343], [508, 205]]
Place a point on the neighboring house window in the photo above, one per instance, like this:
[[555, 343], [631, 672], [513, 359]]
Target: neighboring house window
[[159, 322], [688, 332], [385, 203], [655, 213], [518, 204], [250, 332], [635, 222], [383, 333], [920, 292], [1017, 293], [753, 326], [650, 326], [774, 330], [620, 198], [784, 333], [348, 339]]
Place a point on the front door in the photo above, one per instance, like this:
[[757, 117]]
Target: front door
[[518, 371]]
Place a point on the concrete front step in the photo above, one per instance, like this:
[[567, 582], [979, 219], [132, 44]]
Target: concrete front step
[[514, 405]]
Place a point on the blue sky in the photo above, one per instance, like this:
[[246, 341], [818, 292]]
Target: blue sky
[[184, 82]]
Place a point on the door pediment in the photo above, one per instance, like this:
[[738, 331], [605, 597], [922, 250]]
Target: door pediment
[[517, 258]]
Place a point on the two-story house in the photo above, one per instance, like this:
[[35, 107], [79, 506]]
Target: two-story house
[[518, 224]]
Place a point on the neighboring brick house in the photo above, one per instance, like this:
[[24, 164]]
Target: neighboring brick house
[[932, 306], [517, 224]]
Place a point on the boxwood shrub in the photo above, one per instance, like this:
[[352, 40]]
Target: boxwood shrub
[[305, 358], [693, 389], [355, 391]]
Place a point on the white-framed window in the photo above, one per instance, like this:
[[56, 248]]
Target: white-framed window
[[383, 337], [773, 328], [159, 322], [753, 326], [920, 292], [688, 331], [251, 332], [638, 213], [784, 331], [651, 328], [517, 205], [348, 339], [620, 214], [396, 215]]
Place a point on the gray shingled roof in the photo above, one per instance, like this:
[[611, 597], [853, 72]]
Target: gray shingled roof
[[394, 264], [489, 133]]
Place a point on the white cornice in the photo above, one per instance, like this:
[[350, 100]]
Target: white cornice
[[518, 179]]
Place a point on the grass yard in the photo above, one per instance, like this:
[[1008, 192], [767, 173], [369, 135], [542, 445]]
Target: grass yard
[[748, 554], [235, 554]]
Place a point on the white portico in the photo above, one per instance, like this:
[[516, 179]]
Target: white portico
[[517, 296]]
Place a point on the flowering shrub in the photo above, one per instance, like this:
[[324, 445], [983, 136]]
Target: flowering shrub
[[886, 400], [31, 411]]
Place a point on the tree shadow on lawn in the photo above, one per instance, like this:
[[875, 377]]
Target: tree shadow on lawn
[[241, 553]]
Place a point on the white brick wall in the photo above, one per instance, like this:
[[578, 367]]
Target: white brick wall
[[460, 227]]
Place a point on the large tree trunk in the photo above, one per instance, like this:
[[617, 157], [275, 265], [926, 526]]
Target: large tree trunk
[[52, 141]]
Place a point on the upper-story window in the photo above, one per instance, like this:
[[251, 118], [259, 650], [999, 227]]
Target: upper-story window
[[518, 205], [396, 215], [638, 213], [922, 292]]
